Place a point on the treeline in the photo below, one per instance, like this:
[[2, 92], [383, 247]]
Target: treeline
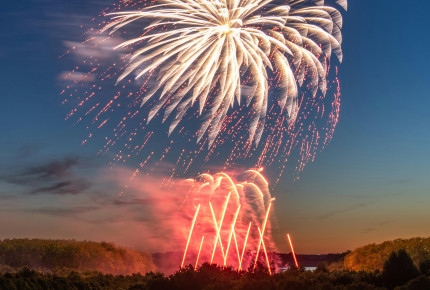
[[63, 256], [372, 257], [399, 272]]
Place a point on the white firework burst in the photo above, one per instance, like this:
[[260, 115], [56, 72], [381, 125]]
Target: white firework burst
[[211, 50]]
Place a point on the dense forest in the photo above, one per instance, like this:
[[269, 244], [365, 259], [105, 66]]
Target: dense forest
[[86, 265], [372, 257], [64, 255]]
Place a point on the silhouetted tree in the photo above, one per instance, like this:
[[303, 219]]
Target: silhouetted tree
[[425, 267], [398, 269], [321, 268], [420, 283]]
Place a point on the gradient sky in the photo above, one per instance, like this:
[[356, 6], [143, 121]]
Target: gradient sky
[[371, 184]]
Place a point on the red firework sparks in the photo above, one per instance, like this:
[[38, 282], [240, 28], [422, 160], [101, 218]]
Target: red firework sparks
[[241, 229]]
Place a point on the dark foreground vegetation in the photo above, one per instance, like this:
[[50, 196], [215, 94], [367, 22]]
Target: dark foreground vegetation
[[399, 272], [68, 264], [168, 262]]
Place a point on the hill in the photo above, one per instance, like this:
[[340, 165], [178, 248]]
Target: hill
[[372, 257], [64, 255]]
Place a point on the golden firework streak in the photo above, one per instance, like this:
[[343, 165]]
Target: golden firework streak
[[292, 250], [244, 246], [261, 235], [198, 255], [218, 227], [265, 251], [189, 236], [231, 234]]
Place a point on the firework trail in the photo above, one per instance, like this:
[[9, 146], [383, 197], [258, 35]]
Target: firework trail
[[292, 250]]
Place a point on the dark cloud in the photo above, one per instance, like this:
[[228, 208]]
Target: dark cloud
[[57, 168], [62, 211], [55, 177], [126, 201], [64, 187]]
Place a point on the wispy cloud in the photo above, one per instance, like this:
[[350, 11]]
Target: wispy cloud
[[402, 181], [374, 226], [54, 177], [4, 197], [62, 211], [340, 211]]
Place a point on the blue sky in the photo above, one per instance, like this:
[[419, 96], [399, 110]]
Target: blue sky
[[370, 184]]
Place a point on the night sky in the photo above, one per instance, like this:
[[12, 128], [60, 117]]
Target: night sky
[[369, 185]]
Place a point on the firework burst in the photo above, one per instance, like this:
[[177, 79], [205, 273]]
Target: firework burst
[[276, 59], [230, 220], [219, 51]]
